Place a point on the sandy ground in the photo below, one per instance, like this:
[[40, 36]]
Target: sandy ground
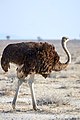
[[58, 96]]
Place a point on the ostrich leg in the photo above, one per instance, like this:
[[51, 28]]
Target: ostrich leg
[[31, 85], [17, 89]]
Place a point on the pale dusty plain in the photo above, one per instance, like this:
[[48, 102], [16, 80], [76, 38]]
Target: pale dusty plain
[[58, 96]]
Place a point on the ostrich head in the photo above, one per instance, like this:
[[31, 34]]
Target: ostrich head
[[65, 39]]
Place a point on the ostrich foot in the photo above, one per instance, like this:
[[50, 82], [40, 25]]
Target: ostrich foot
[[35, 107], [13, 106]]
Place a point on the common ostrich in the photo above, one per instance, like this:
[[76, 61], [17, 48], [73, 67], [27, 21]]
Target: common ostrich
[[37, 58]]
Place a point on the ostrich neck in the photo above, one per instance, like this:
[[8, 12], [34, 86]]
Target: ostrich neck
[[67, 52], [60, 66]]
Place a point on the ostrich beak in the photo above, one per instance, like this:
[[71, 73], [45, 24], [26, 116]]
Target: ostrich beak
[[67, 39]]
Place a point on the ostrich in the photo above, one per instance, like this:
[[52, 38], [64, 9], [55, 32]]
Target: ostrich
[[38, 58]]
